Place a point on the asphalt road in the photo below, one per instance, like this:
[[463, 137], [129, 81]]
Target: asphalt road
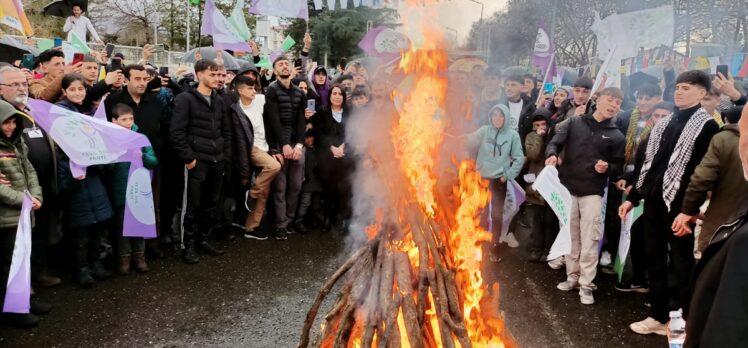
[[258, 293]]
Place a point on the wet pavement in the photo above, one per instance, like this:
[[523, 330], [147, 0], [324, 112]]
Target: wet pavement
[[258, 293]]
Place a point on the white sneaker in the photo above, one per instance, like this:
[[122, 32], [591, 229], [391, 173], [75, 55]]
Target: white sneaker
[[557, 263], [649, 326], [585, 295], [568, 285], [605, 259], [510, 240]]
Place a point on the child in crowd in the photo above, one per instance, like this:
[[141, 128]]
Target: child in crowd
[[710, 103], [15, 166], [311, 189], [539, 215], [128, 248], [499, 160]]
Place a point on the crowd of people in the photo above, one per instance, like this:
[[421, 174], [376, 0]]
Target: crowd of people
[[225, 143]]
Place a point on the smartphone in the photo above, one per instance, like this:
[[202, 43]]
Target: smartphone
[[77, 58], [116, 65], [109, 50], [58, 42], [722, 69], [28, 61], [158, 48], [548, 88], [163, 71], [297, 63], [311, 105]]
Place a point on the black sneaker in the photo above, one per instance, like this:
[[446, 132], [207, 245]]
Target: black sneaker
[[299, 226], [39, 307], [99, 271], [280, 234], [630, 287], [210, 249], [608, 269], [84, 278], [189, 256], [290, 229], [258, 234], [250, 203], [21, 320]]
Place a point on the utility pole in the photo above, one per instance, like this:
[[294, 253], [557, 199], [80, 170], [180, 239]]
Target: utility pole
[[187, 49], [484, 40]]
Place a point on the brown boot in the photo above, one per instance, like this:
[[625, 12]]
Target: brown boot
[[124, 265], [140, 264]]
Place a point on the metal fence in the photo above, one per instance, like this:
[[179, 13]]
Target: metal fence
[[132, 54]]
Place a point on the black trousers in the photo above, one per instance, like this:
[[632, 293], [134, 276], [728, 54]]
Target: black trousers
[[638, 253], [543, 227], [7, 243], [172, 188], [336, 180], [658, 235], [87, 244], [46, 219], [204, 186], [498, 196], [612, 221]]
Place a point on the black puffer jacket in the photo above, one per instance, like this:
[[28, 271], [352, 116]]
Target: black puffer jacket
[[585, 141], [200, 130], [285, 108]]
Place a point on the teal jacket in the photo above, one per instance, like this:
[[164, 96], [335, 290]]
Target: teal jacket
[[117, 174], [499, 151]]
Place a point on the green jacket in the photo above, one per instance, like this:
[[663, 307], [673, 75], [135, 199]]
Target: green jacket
[[720, 172], [118, 172], [15, 165], [499, 151]]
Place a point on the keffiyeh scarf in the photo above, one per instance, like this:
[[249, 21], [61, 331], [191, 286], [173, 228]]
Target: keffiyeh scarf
[[678, 159]]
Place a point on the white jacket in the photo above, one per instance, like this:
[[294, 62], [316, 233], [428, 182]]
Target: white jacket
[[80, 26]]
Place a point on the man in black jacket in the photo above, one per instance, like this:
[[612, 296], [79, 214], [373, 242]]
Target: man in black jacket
[[674, 149], [719, 307], [201, 135], [593, 148], [285, 104]]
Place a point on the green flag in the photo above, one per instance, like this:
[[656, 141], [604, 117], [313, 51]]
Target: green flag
[[44, 44], [237, 21], [194, 2], [78, 44], [287, 44], [264, 63]]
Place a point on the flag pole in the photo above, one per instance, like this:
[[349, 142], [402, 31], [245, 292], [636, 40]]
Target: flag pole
[[547, 71], [188, 27]]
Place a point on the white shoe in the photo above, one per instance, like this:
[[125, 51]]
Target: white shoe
[[568, 285], [585, 295], [649, 326], [557, 263], [605, 259], [510, 240]]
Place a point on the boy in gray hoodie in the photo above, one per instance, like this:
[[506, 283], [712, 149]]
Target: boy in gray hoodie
[[499, 160]]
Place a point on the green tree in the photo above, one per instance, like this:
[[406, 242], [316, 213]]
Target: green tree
[[338, 32]]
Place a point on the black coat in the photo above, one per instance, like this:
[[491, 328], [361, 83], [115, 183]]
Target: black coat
[[524, 125], [718, 315], [200, 130], [149, 114], [585, 141], [285, 108], [244, 138]]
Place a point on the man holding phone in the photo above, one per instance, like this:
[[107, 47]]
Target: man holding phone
[[53, 65]]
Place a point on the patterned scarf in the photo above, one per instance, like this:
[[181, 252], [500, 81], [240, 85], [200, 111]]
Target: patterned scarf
[[632, 141], [678, 159]]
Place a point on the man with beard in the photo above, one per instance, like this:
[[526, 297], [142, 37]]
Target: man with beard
[[96, 89], [286, 103]]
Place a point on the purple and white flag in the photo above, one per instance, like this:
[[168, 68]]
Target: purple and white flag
[[215, 24], [90, 141], [100, 110], [384, 43], [18, 290], [285, 8], [542, 56]]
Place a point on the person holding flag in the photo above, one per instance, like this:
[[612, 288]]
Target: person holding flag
[[17, 168]]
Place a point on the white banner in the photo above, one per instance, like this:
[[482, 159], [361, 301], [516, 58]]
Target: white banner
[[559, 199], [631, 31]]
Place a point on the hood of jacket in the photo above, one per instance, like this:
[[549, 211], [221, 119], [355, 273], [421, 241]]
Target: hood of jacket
[[6, 112], [504, 111]]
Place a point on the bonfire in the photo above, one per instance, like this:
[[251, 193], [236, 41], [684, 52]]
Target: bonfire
[[417, 281]]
